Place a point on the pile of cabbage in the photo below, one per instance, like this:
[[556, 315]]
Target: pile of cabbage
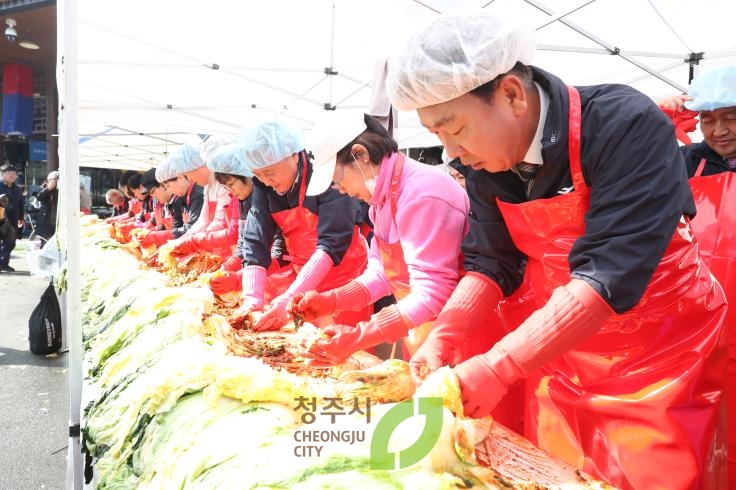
[[166, 406]]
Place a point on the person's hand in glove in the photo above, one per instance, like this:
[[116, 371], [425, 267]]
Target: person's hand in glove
[[227, 281], [467, 325], [187, 244], [156, 238], [684, 120], [275, 315], [311, 305], [232, 264], [574, 313], [388, 325]]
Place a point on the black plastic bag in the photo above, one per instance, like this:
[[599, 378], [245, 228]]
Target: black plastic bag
[[44, 325]]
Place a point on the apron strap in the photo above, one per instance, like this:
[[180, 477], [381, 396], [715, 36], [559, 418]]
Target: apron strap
[[303, 183], [398, 166], [573, 140], [701, 166], [188, 199]]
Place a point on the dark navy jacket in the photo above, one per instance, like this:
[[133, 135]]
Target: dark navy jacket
[[192, 205], [337, 215], [714, 163], [15, 211], [639, 192]]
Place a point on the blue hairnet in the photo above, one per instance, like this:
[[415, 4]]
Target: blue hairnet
[[267, 143], [185, 159], [165, 172], [713, 90], [225, 161]]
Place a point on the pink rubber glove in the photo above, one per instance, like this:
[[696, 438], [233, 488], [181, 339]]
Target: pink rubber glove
[[574, 313], [156, 238], [254, 286], [230, 281], [312, 305], [388, 325], [309, 277], [468, 321], [275, 316], [232, 264]]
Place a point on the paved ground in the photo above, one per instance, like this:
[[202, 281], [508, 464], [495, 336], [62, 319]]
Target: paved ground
[[34, 392]]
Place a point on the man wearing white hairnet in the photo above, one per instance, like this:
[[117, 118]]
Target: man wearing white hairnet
[[584, 192], [323, 242], [712, 164]]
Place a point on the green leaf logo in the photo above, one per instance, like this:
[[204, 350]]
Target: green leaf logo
[[381, 458]]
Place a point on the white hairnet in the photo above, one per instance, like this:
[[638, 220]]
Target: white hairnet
[[165, 172], [713, 90], [212, 143], [225, 161], [185, 159], [267, 143], [454, 54]]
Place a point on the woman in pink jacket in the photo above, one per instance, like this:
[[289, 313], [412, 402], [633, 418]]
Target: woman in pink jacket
[[420, 217]]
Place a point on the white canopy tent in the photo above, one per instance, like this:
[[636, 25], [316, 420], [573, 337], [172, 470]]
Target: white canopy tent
[[137, 78], [153, 75]]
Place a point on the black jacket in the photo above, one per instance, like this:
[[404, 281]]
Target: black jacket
[[639, 192], [714, 163], [15, 211], [191, 205], [46, 217], [337, 215]]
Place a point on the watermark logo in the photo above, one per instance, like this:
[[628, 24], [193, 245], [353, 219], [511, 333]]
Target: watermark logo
[[431, 409]]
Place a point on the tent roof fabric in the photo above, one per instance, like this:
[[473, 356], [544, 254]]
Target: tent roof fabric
[[150, 81]]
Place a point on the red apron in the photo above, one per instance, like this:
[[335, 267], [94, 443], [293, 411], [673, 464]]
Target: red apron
[[299, 226], [666, 354], [509, 411], [715, 228]]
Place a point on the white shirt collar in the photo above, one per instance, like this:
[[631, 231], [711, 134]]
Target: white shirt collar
[[534, 153]]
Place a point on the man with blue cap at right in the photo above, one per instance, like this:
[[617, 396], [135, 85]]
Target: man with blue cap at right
[[712, 168]]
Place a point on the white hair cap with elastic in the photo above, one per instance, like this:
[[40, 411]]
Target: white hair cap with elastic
[[713, 90], [165, 172], [267, 143], [185, 158], [225, 161], [212, 143], [454, 54]]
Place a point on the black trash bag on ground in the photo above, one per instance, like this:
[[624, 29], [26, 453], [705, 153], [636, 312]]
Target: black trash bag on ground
[[44, 325]]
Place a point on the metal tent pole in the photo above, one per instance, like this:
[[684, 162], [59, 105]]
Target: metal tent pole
[[66, 81]]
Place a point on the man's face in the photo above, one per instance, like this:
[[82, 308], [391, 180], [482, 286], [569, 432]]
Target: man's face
[[140, 193], [161, 194], [719, 130], [177, 186], [489, 133], [10, 176], [281, 175], [199, 175]]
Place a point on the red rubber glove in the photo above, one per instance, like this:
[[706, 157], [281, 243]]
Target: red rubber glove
[[312, 305], [685, 121], [229, 281], [388, 325], [574, 313], [185, 245], [467, 323], [156, 238], [232, 264]]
